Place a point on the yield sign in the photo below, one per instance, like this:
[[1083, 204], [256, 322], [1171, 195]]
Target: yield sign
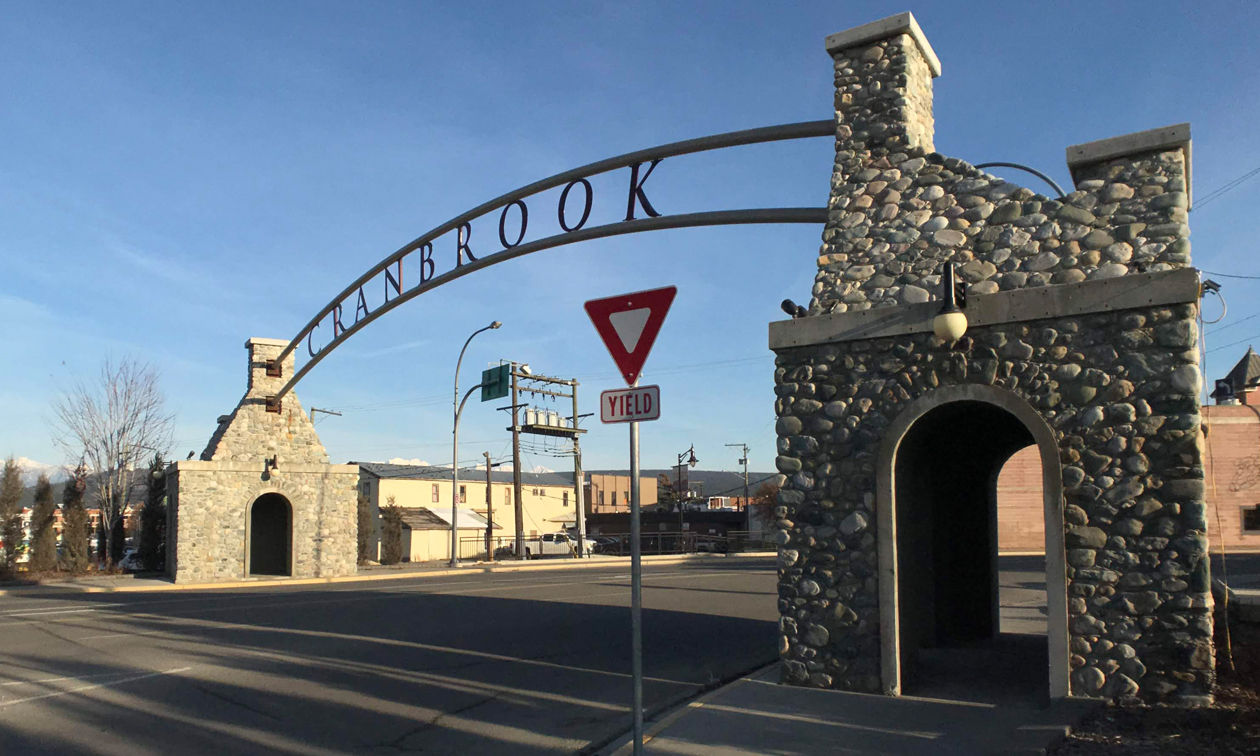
[[628, 324]]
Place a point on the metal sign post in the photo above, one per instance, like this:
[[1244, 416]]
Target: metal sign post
[[636, 591], [628, 324]]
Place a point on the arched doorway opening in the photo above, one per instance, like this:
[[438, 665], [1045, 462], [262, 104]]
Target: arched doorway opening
[[270, 536], [959, 621]]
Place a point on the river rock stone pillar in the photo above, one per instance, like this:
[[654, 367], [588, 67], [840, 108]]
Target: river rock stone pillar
[[254, 452], [1082, 313]]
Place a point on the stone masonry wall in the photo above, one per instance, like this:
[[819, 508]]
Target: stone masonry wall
[[251, 433], [1120, 389], [211, 498], [899, 212], [1126, 417], [213, 505]]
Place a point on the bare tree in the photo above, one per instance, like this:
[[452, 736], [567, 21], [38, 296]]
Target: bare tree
[[113, 424], [764, 501]]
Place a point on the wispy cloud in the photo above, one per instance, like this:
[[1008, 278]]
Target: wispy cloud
[[394, 348], [166, 267]]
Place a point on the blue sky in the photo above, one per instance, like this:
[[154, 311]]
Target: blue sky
[[178, 177]]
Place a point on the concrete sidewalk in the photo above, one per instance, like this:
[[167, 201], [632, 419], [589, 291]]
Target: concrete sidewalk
[[756, 715]]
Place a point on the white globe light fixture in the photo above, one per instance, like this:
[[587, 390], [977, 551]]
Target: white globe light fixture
[[951, 323]]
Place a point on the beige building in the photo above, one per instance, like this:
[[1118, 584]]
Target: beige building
[[424, 494], [611, 493]]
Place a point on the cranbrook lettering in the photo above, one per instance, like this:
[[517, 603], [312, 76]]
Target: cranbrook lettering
[[586, 209], [503, 220], [636, 190]]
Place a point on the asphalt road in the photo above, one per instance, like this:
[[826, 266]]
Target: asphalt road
[[515, 663]]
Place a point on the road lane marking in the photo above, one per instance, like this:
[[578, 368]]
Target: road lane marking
[[36, 612], [57, 679], [4, 704], [379, 594]]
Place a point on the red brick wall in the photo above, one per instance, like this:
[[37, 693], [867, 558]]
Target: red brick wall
[[1232, 466], [1021, 509]]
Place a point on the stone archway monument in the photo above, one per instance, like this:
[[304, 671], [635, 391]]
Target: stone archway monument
[[1081, 340], [263, 499]]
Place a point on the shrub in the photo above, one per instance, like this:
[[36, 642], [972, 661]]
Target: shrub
[[365, 529], [391, 534]]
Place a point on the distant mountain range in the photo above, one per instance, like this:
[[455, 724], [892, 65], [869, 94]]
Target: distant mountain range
[[31, 470]]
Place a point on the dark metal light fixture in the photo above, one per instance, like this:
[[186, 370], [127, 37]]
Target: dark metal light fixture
[[793, 309], [951, 323]]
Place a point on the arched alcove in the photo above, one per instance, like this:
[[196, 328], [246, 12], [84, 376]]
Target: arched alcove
[[938, 539], [269, 536]]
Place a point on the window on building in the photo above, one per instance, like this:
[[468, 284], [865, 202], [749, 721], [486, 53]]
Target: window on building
[[463, 494], [435, 493], [1251, 519], [542, 492], [507, 496], [566, 498], [601, 498], [626, 494]]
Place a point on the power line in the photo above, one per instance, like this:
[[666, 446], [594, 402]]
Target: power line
[[1236, 322], [1230, 275], [1233, 343], [1226, 188]]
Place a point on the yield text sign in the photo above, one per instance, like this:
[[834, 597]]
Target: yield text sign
[[628, 324], [630, 405]]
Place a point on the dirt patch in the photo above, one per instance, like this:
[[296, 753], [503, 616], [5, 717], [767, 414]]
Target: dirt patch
[[1231, 726]]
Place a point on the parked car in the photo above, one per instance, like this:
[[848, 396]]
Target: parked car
[[552, 544], [712, 545]]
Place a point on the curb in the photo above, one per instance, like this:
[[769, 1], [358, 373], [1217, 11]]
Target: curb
[[623, 744], [44, 589]]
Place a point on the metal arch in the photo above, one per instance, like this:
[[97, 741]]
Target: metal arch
[[801, 130], [1033, 171], [689, 220]]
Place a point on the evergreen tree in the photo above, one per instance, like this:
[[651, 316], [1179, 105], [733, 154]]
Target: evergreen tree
[[391, 534], [11, 515], [75, 532], [117, 542], [43, 528], [365, 529], [153, 518]]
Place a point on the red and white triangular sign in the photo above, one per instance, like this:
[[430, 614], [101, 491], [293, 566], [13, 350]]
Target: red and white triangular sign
[[628, 324]]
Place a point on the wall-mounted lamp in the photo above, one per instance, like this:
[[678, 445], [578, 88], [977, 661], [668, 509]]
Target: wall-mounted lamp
[[951, 323], [793, 309]]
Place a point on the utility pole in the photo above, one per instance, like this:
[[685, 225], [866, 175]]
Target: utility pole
[[489, 513], [516, 469], [743, 461], [326, 412], [747, 508], [577, 480]]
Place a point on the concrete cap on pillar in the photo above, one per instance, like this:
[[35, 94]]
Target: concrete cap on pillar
[[1163, 139], [251, 343], [902, 23]]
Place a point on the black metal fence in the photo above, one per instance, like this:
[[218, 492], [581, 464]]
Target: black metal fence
[[670, 542]]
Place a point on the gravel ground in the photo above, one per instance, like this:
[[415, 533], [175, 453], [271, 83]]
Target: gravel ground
[[1231, 726]]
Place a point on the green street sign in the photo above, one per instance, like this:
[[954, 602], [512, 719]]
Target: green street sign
[[496, 382]]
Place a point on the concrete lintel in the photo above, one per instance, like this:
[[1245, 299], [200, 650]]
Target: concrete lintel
[[1163, 139], [1043, 303], [266, 342], [259, 468], [902, 23]]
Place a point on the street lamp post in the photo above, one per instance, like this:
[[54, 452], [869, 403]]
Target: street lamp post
[[459, 408], [678, 492]]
